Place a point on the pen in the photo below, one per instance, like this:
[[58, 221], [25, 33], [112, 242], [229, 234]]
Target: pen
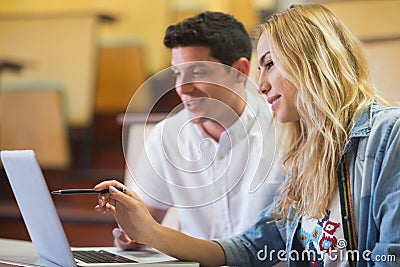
[[83, 191]]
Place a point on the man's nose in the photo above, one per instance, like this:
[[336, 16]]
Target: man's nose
[[184, 88]]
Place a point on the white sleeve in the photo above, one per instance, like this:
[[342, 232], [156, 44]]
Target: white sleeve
[[146, 174]]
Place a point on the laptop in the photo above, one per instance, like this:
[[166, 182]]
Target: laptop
[[44, 226]]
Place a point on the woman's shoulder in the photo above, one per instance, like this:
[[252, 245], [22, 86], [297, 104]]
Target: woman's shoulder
[[385, 125], [385, 116]]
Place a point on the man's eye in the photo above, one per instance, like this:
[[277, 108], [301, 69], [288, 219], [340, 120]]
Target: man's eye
[[175, 73], [199, 72]]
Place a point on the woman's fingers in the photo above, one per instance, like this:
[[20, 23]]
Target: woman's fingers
[[110, 208], [105, 204], [114, 183], [129, 211], [106, 184], [104, 199], [124, 197]]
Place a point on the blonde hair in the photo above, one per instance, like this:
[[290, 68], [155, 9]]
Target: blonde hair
[[316, 52]]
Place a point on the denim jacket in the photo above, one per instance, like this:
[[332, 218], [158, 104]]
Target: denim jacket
[[373, 154]]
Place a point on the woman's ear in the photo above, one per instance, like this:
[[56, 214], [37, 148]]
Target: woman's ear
[[243, 67]]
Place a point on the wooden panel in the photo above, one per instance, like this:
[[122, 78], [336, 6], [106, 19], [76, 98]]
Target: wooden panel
[[384, 58], [35, 120], [377, 24], [368, 18], [120, 73], [55, 46]]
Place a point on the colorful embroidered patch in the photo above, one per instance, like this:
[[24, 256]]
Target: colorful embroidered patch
[[330, 227], [320, 240], [327, 243]]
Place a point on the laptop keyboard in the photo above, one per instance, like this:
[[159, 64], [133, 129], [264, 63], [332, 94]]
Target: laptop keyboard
[[100, 256]]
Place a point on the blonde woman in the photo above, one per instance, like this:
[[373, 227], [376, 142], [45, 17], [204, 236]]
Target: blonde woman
[[340, 204]]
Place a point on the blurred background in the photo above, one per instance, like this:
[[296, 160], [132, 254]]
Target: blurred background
[[68, 70]]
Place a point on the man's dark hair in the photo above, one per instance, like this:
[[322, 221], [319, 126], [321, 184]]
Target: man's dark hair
[[226, 37]]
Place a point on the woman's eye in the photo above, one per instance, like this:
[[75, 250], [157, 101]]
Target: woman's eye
[[269, 64]]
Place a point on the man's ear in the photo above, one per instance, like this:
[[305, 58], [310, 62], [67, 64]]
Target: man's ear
[[243, 67]]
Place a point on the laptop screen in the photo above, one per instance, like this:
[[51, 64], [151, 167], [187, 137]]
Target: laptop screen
[[36, 206]]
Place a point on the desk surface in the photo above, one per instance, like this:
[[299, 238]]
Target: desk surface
[[23, 252], [14, 247]]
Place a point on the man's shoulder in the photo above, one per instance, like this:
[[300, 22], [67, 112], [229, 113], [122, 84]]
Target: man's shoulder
[[259, 110], [173, 126], [257, 102], [175, 118]]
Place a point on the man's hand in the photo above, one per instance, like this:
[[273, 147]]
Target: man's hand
[[123, 241]]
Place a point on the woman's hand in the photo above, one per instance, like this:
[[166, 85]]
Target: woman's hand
[[136, 221], [129, 211]]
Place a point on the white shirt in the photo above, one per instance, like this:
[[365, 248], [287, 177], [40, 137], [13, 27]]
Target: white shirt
[[218, 188]]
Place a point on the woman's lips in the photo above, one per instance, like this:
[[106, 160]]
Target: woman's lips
[[274, 100]]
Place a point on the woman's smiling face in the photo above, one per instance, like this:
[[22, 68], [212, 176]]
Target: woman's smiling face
[[279, 92]]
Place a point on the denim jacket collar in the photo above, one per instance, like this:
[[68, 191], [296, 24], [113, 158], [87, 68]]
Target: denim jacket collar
[[363, 122]]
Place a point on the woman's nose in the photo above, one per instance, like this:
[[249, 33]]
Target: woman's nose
[[263, 85]]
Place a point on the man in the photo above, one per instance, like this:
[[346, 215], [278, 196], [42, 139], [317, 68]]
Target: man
[[212, 160]]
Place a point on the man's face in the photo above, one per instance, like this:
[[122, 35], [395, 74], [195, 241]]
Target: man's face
[[204, 85]]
